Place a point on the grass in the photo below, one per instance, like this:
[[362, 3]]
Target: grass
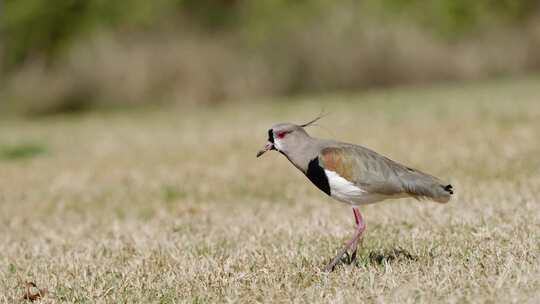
[[172, 206], [21, 151]]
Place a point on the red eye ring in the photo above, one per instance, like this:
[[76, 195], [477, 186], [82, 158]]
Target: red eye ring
[[281, 134]]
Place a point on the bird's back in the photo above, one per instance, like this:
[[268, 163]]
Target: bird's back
[[376, 174]]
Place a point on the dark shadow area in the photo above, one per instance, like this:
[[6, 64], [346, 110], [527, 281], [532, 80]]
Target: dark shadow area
[[390, 254], [377, 257]]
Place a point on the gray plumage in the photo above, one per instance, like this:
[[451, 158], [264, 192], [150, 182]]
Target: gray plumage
[[376, 176], [352, 174]]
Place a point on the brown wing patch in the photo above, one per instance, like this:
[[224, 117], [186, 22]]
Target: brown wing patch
[[334, 159]]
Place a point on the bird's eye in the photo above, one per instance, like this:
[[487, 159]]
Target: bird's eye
[[281, 134]]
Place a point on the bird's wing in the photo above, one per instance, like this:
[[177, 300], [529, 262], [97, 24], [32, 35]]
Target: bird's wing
[[378, 174]]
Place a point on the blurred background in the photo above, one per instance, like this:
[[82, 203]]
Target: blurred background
[[69, 56], [128, 134]]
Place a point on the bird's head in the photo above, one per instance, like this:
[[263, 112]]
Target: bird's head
[[284, 137]]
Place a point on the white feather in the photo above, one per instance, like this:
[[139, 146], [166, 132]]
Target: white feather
[[347, 192], [277, 144]]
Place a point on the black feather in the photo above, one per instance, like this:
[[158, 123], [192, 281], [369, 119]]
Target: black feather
[[317, 176], [448, 188], [271, 135]]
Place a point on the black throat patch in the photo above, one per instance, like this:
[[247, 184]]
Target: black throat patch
[[271, 136], [317, 176]]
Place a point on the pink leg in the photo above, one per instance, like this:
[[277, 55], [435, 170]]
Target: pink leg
[[360, 227], [352, 244]]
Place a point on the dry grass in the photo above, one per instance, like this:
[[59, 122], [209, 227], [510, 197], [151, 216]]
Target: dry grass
[[173, 206]]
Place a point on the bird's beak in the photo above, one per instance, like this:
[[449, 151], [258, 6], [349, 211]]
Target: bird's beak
[[268, 146]]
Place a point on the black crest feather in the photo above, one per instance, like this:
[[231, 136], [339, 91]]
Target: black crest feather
[[307, 124]]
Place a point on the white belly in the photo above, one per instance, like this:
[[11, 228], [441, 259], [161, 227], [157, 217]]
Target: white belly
[[347, 192]]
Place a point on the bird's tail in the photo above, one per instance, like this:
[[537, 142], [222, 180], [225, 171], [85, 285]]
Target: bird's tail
[[424, 186]]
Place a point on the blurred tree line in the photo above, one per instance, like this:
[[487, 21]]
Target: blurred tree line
[[65, 55], [44, 28]]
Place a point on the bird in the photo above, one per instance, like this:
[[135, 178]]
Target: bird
[[351, 174]]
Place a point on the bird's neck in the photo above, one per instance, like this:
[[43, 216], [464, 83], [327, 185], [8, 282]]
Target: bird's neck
[[302, 155]]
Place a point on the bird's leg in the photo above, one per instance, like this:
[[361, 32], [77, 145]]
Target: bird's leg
[[353, 243], [360, 227]]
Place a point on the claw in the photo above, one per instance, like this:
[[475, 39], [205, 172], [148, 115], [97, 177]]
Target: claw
[[346, 258], [353, 257]]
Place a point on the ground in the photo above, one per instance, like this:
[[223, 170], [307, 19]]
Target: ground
[[170, 205]]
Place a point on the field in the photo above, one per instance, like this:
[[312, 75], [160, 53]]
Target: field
[[171, 205]]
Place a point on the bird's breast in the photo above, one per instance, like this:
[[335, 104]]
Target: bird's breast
[[338, 187], [315, 173]]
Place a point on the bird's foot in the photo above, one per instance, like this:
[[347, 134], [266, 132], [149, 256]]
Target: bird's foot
[[352, 258], [344, 257]]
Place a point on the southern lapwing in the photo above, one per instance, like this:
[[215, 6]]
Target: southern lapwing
[[352, 174]]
